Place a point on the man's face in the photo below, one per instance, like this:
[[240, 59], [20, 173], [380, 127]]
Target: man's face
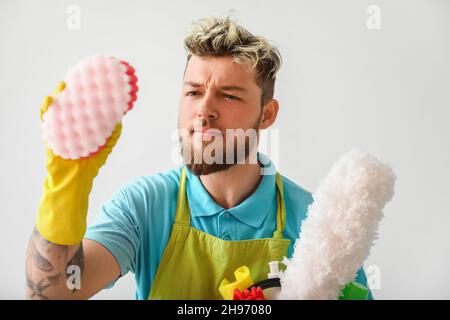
[[218, 94]]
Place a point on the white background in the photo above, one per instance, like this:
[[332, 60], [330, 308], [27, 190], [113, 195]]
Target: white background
[[342, 85]]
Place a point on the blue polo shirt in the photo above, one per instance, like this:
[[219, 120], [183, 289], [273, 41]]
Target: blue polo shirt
[[135, 224]]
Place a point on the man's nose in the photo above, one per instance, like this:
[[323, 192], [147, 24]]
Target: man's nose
[[207, 107]]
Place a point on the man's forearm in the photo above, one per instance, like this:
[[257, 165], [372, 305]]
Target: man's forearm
[[53, 271]]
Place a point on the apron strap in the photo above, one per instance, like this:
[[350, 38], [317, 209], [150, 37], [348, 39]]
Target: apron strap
[[281, 208], [182, 214]]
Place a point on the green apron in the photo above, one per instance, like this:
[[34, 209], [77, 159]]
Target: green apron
[[194, 262]]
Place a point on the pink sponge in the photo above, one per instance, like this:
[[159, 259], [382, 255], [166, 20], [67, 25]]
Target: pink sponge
[[99, 91]]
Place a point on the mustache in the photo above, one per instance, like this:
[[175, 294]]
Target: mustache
[[204, 126]]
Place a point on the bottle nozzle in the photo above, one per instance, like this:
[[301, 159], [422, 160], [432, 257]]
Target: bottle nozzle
[[274, 270]]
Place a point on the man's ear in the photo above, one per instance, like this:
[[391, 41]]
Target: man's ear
[[269, 113]]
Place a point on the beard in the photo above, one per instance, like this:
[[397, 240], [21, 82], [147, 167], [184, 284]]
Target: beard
[[223, 161]]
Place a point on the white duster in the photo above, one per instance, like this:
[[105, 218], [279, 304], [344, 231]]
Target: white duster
[[336, 237]]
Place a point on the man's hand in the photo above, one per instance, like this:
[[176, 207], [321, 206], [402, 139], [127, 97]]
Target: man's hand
[[64, 204], [60, 264]]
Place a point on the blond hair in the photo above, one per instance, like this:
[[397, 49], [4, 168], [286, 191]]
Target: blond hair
[[215, 36]]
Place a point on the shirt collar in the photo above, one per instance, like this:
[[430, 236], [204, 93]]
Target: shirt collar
[[252, 211]]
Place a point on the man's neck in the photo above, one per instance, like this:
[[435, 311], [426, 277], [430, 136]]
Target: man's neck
[[230, 187]]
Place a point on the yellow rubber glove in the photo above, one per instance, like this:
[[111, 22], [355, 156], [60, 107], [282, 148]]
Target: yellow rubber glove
[[63, 208]]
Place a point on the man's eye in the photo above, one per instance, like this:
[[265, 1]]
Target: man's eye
[[230, 97], [191, 93]]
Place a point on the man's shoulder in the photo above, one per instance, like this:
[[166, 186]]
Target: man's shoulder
[[296, 193]]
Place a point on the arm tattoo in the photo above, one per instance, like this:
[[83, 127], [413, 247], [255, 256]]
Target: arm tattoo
[[37, 289], [49, 260], [43, 264]]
